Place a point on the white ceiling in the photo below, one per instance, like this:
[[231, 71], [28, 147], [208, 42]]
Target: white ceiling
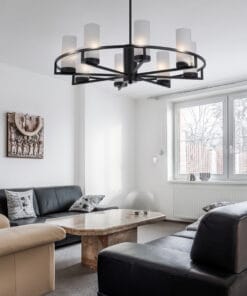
[[31, 31]]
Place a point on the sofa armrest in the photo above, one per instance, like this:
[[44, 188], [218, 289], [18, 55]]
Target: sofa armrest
[[4, 222], [136, 269], [17, 239]]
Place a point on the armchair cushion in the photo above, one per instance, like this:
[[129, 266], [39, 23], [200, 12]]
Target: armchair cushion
[[17, 239], [4, 222]]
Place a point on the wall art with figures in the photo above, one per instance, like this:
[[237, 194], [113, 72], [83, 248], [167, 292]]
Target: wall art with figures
[[25, 136]]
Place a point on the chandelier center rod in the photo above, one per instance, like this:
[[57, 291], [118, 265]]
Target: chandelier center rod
[[130, 22]]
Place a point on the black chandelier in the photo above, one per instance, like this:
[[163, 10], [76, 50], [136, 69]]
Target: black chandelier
[[79, 62]]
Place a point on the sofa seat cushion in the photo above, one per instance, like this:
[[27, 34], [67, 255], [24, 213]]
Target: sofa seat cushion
[[180, 244], [135, 269], [186, 234], [56, 199], [97, 209], [61, 215], [27, 221]]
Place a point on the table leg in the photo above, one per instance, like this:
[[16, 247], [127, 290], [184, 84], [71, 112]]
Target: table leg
[[92, 245]]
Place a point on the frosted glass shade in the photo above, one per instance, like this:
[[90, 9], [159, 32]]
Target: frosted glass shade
[[119, 66], [141, 36], [68, 45], [191, 72], [163, 60], [183, 43], [92, 40]]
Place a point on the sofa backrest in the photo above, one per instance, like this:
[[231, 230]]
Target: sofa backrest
[[56, 199], [3, 201], [221, 239]]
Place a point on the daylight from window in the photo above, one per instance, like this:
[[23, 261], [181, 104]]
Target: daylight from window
[[201, 139], [240, 136]]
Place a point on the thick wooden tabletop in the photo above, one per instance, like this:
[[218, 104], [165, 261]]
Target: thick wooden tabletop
[[105, 222]]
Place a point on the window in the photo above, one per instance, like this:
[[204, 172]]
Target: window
[[211, 137]]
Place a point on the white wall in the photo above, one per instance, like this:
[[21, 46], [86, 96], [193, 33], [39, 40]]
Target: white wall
[[54, 99], [175, 200], [109, 145]]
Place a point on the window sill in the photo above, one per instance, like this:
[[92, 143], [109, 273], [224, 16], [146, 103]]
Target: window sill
[[213, 182]]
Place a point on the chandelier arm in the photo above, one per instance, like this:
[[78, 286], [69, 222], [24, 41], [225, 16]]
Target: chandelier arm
[[171, 77], [97, 74], [153, 82], [91, 81], [106, 69]]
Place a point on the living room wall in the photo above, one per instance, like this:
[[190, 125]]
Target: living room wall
[[55, 100], [177, 200], [109, 145]]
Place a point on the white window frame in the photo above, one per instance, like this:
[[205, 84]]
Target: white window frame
[[176, 138], [231, 129]]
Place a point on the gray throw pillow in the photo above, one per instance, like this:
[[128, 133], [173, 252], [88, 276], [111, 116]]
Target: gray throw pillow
[[20, 204], [216, 205], [86, 203]]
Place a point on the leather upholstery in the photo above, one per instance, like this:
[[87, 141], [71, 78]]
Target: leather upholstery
[[50, 202], [164, 267], [56, 199], [27, 259], [4, 222], [223, 230], [132, 269]]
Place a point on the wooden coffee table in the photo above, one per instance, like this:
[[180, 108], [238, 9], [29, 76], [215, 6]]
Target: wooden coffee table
[[99, 230]]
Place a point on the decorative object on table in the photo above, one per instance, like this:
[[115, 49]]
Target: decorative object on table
[[217, 204], [145, 213], [20, 204], [85, 66], [204, 176], [25, 136], [192, 177], [86, 203]]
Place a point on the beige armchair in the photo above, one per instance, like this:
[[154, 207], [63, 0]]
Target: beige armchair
[[27, 264]]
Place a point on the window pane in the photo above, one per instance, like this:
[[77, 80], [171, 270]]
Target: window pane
[[240, 136], [201, 139]]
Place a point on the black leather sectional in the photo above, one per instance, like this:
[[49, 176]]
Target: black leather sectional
[[49, 202], [211, 261]]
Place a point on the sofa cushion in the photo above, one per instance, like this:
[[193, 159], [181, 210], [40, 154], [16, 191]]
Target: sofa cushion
[[27, 221], [221, 240], [20, 204], [56, 199], [186, 234], [86, 203], [3, 200], [61, 215], [180, 244]]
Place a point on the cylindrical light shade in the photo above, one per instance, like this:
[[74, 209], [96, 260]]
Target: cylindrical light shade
[[141, 35], [92, 40], [119, 62], [191, 73], [68, 45], [163, 60], [163, 63], [183, 43]]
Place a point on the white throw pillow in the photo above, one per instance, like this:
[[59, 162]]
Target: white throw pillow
[[86, 203], [20, 204]]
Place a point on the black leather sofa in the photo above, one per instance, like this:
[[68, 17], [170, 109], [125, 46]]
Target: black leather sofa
[[49, 202], [209, 262]]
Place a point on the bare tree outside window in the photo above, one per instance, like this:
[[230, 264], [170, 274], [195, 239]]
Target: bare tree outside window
[[240, 136], [201, 139]]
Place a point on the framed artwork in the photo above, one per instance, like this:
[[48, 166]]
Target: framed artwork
[[25, 136]]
